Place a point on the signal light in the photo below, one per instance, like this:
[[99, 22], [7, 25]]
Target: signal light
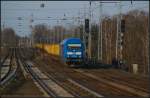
[[42, 5], [122, 25], [87, 25]]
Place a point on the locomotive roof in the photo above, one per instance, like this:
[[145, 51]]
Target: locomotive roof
[[68, 39]]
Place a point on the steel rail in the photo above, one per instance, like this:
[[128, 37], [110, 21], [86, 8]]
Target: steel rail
[[10, 66], [12, 73], [36, 78]]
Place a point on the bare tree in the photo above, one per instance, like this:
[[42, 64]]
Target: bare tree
[[9, 38], [40, 32]]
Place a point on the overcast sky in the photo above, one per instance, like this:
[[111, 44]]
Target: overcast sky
[[11, 10]]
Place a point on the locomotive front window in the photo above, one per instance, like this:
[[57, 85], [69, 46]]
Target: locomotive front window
[[74, 46]]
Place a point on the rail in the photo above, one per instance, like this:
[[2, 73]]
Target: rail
[[36, 78], [12, 73]]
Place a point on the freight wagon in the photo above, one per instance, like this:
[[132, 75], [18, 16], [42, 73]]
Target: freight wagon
[[70, 50]]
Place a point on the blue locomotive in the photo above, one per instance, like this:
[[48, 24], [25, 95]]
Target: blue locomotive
[[72, 51]]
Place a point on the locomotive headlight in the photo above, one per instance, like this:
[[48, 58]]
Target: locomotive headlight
[[78, 53], [69, 53]]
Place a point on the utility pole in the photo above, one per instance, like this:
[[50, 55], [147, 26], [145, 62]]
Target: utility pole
[[89, 36], [19, 26], [100, 35], [62, 31], [57, 31], [117, 41], [84, 33], [30, 23], [120, 33], [118, 19], [148, 48], [78, 31], [73, 27], [3, 27], [42, 6]]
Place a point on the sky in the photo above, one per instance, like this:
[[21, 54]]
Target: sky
[[53, 11]]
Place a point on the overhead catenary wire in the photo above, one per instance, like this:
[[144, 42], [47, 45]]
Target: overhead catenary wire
[[82, 8]]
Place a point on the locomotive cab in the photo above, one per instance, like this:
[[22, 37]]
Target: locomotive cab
[[72, 51]]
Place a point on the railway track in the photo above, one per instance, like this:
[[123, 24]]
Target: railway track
[[121, 79], [4, 59], [134, 91], [71, 87], [13, 68], [82, 80], [43, 81], [83, 84], [123, 86], [6, 65]]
